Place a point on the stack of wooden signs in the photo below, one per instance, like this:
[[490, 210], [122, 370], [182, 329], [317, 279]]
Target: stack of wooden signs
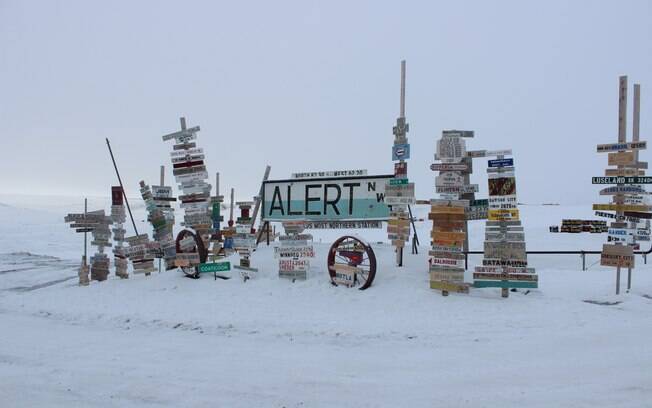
[[449, 213], [294, 252], [161, 216], [118, 216], [101, 235], [629, 199], [244, 240], [505, 258], [399, 193], [141, 252], [84, 222], [190, 172]]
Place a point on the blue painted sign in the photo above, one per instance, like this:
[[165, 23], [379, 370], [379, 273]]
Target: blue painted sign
[[501, 163], [401, 151]]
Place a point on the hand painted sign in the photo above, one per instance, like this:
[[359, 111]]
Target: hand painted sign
[[329, 174], [501, 163], [451, 149], [622, 180], [401, 151], [326, 199], [621, 158], [610, 147], [449, 167]]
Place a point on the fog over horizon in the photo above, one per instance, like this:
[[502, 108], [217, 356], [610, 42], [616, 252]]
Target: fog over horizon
[[309, 86]]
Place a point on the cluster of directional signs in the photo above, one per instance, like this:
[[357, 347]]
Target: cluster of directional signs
[[630, 222]]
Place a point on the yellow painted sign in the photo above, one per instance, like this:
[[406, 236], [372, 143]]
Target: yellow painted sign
[[498, 215], [621, 207]]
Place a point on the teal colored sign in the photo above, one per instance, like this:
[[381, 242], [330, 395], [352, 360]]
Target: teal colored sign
[[505, 284], [396, 182], [215, 267], [326, 199]]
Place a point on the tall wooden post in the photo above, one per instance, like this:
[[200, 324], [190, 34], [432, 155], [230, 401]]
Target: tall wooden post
[[622, 138]]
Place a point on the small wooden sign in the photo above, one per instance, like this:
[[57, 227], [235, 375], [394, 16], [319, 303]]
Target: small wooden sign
[[621, 158]]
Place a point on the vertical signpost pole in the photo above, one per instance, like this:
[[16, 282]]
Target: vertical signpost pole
[[622, 138], [85, 233], [399, 193], [399, 251], [635, 138]]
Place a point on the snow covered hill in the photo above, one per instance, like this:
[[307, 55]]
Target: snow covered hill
[[165, 340]]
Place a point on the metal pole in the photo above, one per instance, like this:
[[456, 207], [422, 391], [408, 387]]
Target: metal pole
[[124, 193], [583, 261], [629, 279], [618, 280], [231, 213], [403, 88]]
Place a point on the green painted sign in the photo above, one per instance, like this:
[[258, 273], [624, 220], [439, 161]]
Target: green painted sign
[[215, 267], [480, 203], [396, 182]]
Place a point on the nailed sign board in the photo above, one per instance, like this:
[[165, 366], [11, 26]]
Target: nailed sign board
[[610, 147], [471, 188], [329, 174], [326, 199], [502, 186], [621, 158], [501, 163], [617, 255], [451, 149], [449, 167], [621, 207], [342, 224], [401, 151], [622, 180], [633, 189]]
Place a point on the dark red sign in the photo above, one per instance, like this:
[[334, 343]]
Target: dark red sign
[[116, 195]]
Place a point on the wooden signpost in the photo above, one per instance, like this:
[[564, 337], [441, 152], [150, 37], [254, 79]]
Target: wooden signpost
[[505, 259], [244, 240], [450, 213], [191, 174], [119, 216], [161, 216], [97, 224], [101, 235], [83, 223], [629, 198], [399, 192], [294, 252]]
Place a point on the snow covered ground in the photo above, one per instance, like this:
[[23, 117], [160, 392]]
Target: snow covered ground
[[165, 340]]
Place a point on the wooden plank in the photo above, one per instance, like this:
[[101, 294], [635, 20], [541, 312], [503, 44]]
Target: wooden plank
[[449, 286], [621, 158]]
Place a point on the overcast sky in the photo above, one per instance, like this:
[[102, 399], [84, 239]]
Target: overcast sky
[[314, 86]]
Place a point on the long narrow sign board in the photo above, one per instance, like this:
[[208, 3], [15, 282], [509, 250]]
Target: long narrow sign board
[[326, 199], [610, 147], [622, 180]]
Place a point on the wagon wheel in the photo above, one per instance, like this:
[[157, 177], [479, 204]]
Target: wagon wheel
[[351, 251], [199, 247]]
